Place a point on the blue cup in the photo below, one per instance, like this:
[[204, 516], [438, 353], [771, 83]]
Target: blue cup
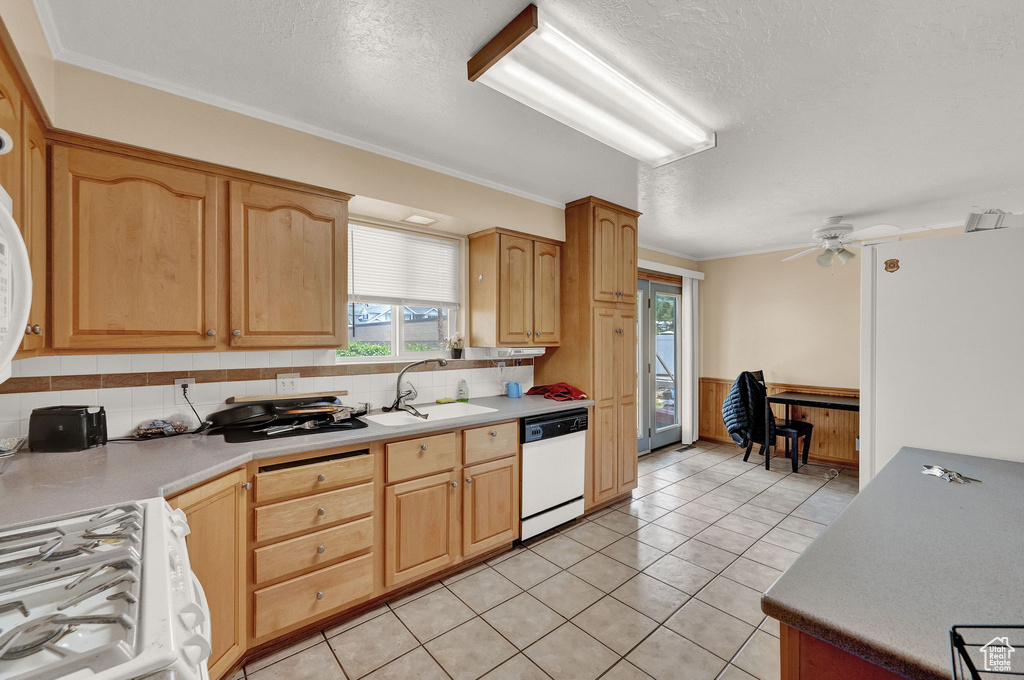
[[515, 389]]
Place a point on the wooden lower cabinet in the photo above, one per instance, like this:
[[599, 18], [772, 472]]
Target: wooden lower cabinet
[[421, 525], [310, 595], [805, 657], [490, 505], [603, 476], [216, 513]]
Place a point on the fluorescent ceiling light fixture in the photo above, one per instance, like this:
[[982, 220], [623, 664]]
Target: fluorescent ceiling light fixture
[[537, 64], [421, 220]]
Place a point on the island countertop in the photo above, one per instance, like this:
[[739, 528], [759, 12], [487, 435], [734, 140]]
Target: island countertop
[[910, 557], [44, 484]]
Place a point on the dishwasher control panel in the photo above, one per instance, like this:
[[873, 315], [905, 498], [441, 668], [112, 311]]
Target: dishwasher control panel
[[551, 425]]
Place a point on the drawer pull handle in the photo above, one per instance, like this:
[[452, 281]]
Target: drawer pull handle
[[454, 484], [237, 333], [494, 433], [246, 485], [469, 480], [320, 595], [321, 512], [320, 550], [321, 478], [423, 447]]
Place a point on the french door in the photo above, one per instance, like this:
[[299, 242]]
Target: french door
[[658, 361]]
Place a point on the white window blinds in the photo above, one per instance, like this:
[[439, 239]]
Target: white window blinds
[[392, 267]]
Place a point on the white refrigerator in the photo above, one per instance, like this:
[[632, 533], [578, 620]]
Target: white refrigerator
[[942, 347]]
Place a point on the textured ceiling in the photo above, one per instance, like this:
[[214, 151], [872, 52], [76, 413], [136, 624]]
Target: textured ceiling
[[902, 112]]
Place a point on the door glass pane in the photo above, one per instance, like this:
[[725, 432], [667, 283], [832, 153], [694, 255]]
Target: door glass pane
[[666, 309], [369, 330]]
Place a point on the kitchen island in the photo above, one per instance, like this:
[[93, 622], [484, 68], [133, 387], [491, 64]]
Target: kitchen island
[[910, 557], [43, 484]]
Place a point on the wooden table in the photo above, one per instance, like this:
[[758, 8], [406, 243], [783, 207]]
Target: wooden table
[[814, 401]]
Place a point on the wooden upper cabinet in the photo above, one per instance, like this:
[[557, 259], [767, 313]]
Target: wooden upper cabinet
[[605, 268], [134, 255], [515, 272], [216, 548], [514, 290], [547, 288], [626, 259], [289, 268], [32, 221], [614, 256], [10, 122]]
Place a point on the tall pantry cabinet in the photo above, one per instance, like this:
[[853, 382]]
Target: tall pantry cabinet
[[598, 349]]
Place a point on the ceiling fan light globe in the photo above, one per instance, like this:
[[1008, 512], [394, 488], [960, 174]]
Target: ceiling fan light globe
[[845, 255], [825, 259]]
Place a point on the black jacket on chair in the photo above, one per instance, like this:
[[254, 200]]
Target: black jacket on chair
[[743, 411]]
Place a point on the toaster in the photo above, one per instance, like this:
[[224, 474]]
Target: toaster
[[67, 428]]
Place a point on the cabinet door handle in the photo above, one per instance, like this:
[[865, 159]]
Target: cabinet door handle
[[28, 330], [469, 480], [212, 332], [423, 447], [320, 550], [320, 595], [321, 512], [246, 485], [528, 333], [321, 478], [494, 433], [454, 484], [36, 330], [237, 333]]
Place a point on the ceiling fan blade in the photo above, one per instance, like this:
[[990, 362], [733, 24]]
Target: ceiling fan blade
[[801, 254], [877, 231]]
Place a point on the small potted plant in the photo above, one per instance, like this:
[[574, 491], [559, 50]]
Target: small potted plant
[[455, 345]]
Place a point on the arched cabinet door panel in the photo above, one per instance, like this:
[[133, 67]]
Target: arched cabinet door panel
[[134, 253], [289, 268], [515, 309]]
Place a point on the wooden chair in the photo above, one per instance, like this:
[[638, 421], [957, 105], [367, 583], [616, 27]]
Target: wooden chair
[[790, 430]]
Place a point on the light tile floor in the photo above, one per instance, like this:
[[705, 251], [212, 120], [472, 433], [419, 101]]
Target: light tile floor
[[665, 586]]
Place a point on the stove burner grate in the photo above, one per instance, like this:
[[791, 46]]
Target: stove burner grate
[[38, 634]]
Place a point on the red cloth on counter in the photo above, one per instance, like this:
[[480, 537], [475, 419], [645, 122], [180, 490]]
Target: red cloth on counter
[[558, 392]]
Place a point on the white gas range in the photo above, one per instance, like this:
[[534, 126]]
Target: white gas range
[[105, 594]]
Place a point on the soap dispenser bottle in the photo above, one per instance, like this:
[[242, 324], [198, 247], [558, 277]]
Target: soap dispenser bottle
[[463, 394]]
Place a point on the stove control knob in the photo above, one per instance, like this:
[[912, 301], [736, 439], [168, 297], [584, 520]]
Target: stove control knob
[[321, 478], [320, 595], [321, 512], [320, 550]]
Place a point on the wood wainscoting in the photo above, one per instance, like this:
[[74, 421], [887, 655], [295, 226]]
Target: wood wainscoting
[[835, 432]]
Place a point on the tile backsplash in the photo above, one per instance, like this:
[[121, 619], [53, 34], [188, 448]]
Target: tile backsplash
[[128, 407]]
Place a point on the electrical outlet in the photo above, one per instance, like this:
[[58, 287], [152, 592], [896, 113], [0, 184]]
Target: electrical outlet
[[179, 389], [501, 364], [287, 383]]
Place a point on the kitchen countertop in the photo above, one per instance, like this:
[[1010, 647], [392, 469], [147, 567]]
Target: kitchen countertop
[[43, 484], [911, 556]]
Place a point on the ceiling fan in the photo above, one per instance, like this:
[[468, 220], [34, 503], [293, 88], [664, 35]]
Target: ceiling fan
[[835, 237]]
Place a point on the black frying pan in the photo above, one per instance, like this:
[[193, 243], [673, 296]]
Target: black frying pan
[[263, 413]]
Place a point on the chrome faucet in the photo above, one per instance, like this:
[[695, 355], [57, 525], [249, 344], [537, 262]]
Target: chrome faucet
[[401, 396]]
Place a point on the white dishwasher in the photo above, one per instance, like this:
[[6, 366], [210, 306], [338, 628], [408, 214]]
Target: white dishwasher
[[553, 470]]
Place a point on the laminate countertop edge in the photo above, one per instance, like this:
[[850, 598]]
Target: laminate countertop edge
[[45, 484], [911, 556]]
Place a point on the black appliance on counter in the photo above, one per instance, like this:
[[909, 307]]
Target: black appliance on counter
[[278, 419], [67, 428]]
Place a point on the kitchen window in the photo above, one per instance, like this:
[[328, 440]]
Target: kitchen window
[[403, 296]]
